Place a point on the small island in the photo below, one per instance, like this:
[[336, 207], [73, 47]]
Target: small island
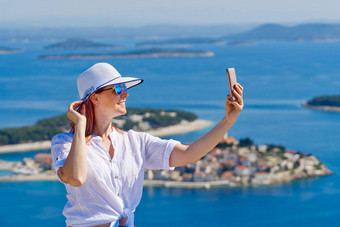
[[6, 50], [80, 44], [325, 102], [241, 44], [182, 42], [149, 53]]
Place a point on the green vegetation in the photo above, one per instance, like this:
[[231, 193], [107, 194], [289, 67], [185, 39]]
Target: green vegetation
[[246, 142], [75, 44], [325, 100], [45, 129]]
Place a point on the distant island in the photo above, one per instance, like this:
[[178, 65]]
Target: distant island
[[149, 53], [240, 44], [139, 119], [325, 102], [298, 33], [77, 44], [6, 50], [181, 42], [230, 163]]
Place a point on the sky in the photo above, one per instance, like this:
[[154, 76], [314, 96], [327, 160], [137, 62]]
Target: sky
[[58, 13]]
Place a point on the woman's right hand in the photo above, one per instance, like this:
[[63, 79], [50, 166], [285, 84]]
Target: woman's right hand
[[73, 115]]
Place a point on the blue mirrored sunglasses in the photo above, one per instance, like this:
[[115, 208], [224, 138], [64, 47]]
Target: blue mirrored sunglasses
[[118, 88]]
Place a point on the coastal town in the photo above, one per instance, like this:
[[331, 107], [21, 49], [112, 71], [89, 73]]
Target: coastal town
[[230, 163]]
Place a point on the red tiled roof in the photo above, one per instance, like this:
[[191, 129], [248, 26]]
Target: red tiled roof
[[227, 174], [229, 140], [241, 167], [242, 159], [261, 172], [229, 162], [42, 156]]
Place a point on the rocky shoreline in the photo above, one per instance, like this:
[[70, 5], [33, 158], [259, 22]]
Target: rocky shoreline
[[324, 108], [230, 164]]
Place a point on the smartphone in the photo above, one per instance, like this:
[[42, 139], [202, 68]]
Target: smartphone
[[232, 81]]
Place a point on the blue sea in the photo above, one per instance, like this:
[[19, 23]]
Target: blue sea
[[277, 78]]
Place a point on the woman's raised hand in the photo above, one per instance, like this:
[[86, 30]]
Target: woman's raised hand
[[233, 108], [73, 115]]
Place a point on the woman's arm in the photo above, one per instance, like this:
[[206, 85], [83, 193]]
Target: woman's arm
[[74, 170], [182, 154]]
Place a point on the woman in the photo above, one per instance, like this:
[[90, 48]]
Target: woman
[[101, 166]]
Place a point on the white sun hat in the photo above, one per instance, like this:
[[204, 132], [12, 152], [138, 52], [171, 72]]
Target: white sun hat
[[101, 75]]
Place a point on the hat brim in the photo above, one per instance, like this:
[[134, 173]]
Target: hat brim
[[128, 81]]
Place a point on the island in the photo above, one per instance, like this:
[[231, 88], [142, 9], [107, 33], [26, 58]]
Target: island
[[298, 33], [324, 102], [148, 53], [6, 50], [231, 163], [182, 42], [241, 44], [77, 44], [157, 122]]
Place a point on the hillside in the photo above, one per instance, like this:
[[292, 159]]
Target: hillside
[[301, 33]]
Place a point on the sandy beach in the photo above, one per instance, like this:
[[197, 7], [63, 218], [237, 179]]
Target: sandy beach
[[182, 128]]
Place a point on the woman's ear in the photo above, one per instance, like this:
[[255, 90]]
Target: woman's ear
[[94, 99]]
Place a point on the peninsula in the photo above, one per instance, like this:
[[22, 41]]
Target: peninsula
[[157, 122], [231, 163], [80, 44], [149, 53], [325, 102]]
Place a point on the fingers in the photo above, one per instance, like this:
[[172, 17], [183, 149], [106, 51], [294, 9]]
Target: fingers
[[238, 88], [72, 113], [237, 105], [238, 97], [75, 105]]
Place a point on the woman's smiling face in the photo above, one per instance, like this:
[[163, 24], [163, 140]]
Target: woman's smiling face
[[108, 102]]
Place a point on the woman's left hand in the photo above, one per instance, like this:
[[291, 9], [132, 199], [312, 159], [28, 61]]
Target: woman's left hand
[[233, 108]]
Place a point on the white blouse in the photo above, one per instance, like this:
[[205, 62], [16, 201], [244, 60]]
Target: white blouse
[[113, 188]]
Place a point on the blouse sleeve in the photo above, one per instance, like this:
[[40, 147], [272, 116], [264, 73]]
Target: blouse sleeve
[[157, 152], [60, 148]]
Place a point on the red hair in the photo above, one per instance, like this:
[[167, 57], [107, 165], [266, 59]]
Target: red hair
[[89, 114]]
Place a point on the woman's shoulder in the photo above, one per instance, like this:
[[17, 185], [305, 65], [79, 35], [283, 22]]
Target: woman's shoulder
[[62, 138], [132, 134]]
